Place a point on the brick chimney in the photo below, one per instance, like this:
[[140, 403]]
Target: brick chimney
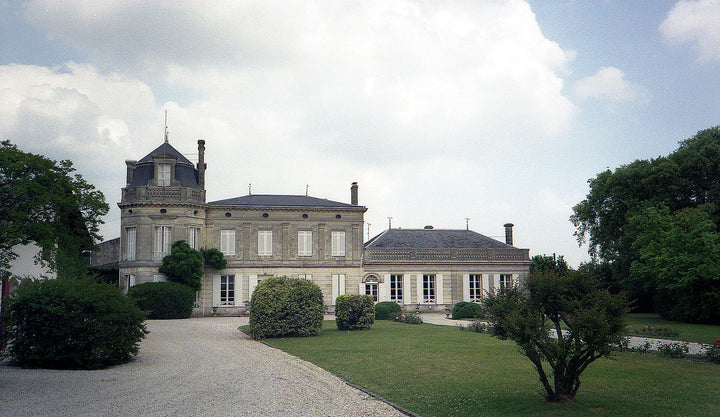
[[508, 233], [201, 165], [354, 194]]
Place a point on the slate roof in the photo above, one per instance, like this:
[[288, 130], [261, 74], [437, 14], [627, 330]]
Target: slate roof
[[275, 200], [165, 150], [433, 239]]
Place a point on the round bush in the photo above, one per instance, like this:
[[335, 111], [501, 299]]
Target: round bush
[[466, 310], [164, 300], [71, 324], [387, 310], [286, 307], [354, 312]]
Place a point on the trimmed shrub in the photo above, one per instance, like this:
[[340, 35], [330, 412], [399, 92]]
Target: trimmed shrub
[[163, 300], [387, 310], [466, 310], [71, 324], [286, 307], [214, 258], [354, 312], [184, 265]]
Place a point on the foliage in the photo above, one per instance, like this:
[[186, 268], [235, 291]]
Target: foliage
[[440, 371], [408, 318], [183, 265], [698, 333], [163, 300], [712, 351], [674, 350], [679, 256], [354, 312], [686, 179], [282, 307], [467, 310], [214, 258], [592, 317], [546, 263], [477, 326], [71, 324], [386, 310], [44, 203], [652, 331]]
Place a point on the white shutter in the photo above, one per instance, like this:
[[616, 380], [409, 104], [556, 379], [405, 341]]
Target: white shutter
[[419, 288], [490, 283], [166, 239], [341, 286], [238, 290], [158, 240], [335, 287], [466, 287], [252, 283], [361, 289], [438, 289], [131, 243], [216, 290], [407, 285], [384, 289], [337, 241]]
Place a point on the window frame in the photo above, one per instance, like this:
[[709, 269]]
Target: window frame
[[305, 243], [194, 237], [505, 281], [337, 243], [265, 243], [130, 243], [227, 295], [162, 241], [227, 242], [475, 287], [396, 287], [429, 290], [164, 175], [371, 288]]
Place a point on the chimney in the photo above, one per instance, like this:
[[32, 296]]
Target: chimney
[[130, 170], [201, 164], [354, 194], [508, 233]]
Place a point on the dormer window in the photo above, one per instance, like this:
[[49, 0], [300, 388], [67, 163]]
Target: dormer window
[[163, 175]]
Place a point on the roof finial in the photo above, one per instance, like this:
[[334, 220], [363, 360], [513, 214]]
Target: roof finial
[[390, 222], [166, 129], [467, 223], [307, 188], [249, 188]]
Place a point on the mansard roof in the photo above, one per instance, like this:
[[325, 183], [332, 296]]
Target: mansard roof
[[275, 200], [434, 239], [165, 151]]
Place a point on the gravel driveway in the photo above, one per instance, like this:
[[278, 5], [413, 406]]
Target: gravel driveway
[[193, 367]]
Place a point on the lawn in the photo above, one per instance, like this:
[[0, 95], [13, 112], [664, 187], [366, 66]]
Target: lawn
[[699, 333], [441, 371]]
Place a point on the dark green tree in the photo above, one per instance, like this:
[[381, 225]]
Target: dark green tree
[[687, 178], [587, 320], [679, 255], [546, 263], [214, 258], [44, 203], [183, 265]]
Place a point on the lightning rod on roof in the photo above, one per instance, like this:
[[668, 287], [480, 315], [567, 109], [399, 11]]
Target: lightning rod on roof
[[467, 223], [389, 222], [249, 188], [307, 187], [166, 129]]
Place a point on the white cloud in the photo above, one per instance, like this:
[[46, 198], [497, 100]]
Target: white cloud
[[609, 84], [696, 22]]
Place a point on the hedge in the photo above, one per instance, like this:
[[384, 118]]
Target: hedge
[[164, 300], [387, 310], [282, 307], [354, 312], [466, 310]]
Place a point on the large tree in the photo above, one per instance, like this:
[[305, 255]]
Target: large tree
[[45, 203], [687, 178], [586, 320]]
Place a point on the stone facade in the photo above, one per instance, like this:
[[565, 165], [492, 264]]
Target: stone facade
[[296, 236]]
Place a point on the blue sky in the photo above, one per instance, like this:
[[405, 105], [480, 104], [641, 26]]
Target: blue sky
[[499, 111]]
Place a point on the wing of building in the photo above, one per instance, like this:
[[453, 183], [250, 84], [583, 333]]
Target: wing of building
[[297, 236]]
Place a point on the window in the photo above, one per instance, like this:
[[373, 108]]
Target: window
[[429, 288], [227, 242], [128, 281], [159, 278], [265, 243], [304, 243], [506, 281], [396, 288], [305, 277], [130, 243], [163, 178], [193, 236], [162, 242], [475, 284], [227, 290], [371, 288], [338, 243]]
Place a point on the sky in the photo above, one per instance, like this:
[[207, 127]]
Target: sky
[[494, 111]]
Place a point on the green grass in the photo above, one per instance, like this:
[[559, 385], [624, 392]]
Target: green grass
[[699, 333], [440, 371]]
